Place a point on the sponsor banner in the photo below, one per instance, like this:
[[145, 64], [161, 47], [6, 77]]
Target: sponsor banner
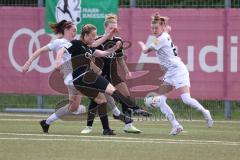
[[80, 12], [207, 40]]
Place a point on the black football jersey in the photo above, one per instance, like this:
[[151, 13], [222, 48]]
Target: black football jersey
[[81, 55], [108, 64]]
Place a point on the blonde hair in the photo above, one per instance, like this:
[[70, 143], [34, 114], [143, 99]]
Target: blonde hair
[[157, 18], [86, 30], [110, 18]]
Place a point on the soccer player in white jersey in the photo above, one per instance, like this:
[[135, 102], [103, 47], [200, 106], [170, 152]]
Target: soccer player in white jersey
[[176, 74], [66, 32]]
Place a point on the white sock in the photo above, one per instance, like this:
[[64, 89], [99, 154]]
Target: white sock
[[166, 110], [52, 118], [111, 103], [187, 99], [116, 111]]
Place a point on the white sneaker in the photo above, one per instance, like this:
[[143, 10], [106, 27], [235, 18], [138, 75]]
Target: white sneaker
[[208, 118], [176, 130], [86, 130], [129, 128]]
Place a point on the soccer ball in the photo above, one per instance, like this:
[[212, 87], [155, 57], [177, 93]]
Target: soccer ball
[[151, 101]]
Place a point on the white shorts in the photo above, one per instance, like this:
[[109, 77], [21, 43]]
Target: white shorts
[[68, 82], [178, 77]]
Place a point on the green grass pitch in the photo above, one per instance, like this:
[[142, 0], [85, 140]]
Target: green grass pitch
[[21, 138]]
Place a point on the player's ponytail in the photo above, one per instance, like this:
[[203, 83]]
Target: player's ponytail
[[157, 18], [58, 28]]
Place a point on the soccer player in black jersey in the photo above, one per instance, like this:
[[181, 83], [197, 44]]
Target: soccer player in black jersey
[[86, 75], [109, 64]]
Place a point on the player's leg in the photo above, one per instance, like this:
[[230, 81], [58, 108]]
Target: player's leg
[[92, 110], [103, 85], [160, 102], [102, 111], [73, 105], [188, 100], [129, 127], [182, 83], [123, 89]]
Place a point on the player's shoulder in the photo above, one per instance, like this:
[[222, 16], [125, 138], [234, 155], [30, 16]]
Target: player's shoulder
[[164, 35], [56, 41], [75, 41], [117, 38]]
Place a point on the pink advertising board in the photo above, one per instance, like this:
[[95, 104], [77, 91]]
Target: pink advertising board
[[206, 39]]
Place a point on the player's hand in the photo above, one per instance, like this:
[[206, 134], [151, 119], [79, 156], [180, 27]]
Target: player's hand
[[129, 75], [26, 66], [113, 32], [118, 45], [58, 65], [143, 46]]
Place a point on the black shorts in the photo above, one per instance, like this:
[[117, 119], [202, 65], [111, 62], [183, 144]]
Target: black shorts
[[116, 79], [90, 84]]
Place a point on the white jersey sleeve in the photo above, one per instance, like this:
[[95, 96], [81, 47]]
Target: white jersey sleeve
[[53, 45]]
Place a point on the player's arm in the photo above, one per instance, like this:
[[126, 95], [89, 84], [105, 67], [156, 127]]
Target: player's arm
[[124, 66], [144, 48], [95, 68], [34, 56], [104, 38], [100, 53], [59, 58]]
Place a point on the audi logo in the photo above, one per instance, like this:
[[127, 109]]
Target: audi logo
[[34, 41]]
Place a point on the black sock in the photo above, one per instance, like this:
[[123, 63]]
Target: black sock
[[102, 112], [92, 109], [125, 119], [126, 100], [125, 109]]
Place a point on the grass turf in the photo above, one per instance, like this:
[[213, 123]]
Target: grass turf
[[21, 138]]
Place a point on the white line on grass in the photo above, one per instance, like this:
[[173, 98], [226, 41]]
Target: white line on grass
[[113, 120], [121, 141], [113, 139]]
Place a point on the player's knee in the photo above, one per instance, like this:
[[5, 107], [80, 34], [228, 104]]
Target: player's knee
[[186, 98], [73, 106], [110, 89], [100, 100]]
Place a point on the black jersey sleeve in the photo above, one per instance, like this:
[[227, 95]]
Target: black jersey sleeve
[[72, 48]]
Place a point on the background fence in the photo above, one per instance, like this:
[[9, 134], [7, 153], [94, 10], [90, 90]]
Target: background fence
[[143, 3], [230, 109]]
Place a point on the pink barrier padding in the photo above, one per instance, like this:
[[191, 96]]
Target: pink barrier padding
[[207, 42]]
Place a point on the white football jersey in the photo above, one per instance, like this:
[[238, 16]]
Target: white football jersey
[[59, 43], [166, 52]]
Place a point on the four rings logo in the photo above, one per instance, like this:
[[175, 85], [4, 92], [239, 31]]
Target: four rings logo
[[34, 41]]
